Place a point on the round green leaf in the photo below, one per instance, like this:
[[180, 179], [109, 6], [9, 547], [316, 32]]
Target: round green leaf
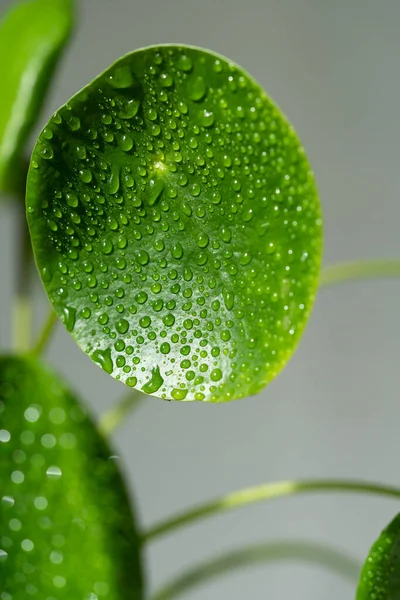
[[176, 225], [32, 36], [66, 527], [380, 575]]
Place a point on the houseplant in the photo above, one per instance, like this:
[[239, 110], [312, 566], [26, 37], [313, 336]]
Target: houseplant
[[58, 154]]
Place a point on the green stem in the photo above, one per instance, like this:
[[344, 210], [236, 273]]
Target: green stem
[[359, 269], [45, 334], [307, 552], [111, 419], [267, 491], [22, 306]]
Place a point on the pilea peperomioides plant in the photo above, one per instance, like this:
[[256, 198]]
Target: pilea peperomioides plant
[[176, 228]]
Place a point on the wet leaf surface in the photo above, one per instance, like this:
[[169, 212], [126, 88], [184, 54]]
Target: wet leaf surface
[[176, 225]]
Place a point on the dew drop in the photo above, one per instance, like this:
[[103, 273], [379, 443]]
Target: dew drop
[[72, 200], [103, 358], [107, 246], [158, 305], [197, 88], [187, 274], [152, 114], [165, 348], [206, 118], [179, 394], [40, 502], [225, 234], [121, 78], [156, 288], [177, 251], [166, 80], [229, 299], [159, 245], [245, 258], [129, 110], [47, 152], [202, 240], [54, 472], [5, 436], [169, 320], [155, 382], [141, 297], [32, 414], [143, 258], [86, 175], [114, 181], [27, 545], [225, 335], [216, 375], [126, 143], [8, 501], [185, 63], [155, 190], [195, 190], [186, 209], [145, 322], [69, 317], [122, 326], [3, 557]]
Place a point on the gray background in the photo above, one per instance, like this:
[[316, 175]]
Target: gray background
[[334, 412]]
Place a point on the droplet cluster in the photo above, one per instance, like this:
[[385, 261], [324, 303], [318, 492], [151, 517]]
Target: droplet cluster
[[176, 225], [66, 528]]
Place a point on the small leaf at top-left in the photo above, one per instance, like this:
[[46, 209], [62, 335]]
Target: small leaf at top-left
[[32, 35]]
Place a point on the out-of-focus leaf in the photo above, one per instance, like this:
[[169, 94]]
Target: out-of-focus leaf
[[32, 36], [380, 575], [66, 527]]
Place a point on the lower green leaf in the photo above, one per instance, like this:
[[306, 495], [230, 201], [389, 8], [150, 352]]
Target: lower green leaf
[[380, 576], [66, 526]]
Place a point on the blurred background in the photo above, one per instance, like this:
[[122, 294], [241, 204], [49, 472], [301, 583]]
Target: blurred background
[[333, 67]]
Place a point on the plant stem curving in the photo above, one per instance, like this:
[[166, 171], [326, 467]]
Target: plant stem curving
[[112, 418], [22, 306], [45, 334], [359, 269], [260, 554], [267, 491]]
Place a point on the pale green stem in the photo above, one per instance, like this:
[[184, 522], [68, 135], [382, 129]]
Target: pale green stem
[[110, 420], [267, 491], [307, 552], [22, 306], [21, 323], [359, 269], [45, 334]]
